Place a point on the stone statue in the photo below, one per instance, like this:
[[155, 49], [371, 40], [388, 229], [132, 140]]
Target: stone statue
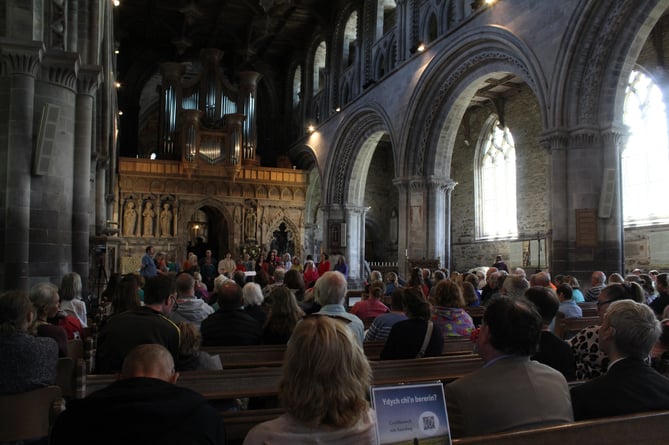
[[166, 221], [250, 224], [129, 219], [148, 215]]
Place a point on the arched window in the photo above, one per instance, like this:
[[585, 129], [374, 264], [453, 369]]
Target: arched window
[[319, 67], [645, 158], [495, 183], [385, 18], [297, 86], [350, 39]]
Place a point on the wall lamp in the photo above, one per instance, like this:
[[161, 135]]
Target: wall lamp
[[417, 48], [476, 4]]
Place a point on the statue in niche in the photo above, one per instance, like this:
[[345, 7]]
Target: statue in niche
[[148, 215], [393, 227], [129, 219], [280, 239], [166, 221], [250, 226]]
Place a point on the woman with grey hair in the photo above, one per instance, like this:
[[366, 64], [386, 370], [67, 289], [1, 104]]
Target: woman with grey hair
[[253, 300], [46, 304]]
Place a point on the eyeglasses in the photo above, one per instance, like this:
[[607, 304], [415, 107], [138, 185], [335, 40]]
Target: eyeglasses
[[176, 303], [602, 303]]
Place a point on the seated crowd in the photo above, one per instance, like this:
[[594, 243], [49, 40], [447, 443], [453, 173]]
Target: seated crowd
[[150, 327]]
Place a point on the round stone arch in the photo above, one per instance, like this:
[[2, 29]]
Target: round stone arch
[[591, 92], [447, 86], [353, 150]]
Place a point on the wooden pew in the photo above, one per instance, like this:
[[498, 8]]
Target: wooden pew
[[260, 382], [248, 356], [589, 308], [452, 346], [645, 428], [233, 357], [476, 313], [566, 327]]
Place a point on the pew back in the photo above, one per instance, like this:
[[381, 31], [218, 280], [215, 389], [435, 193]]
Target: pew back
[[567, 327], [646, 428]]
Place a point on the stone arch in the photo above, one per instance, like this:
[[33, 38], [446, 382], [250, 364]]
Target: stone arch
[[188, 208], [447, 86], [596, 65], [291, 227], [338, 64], [353, 149]]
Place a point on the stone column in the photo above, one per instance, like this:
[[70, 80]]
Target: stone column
[[248, 83], [87, 84], [53, 209], [21, 63], [355, 242], [403, 216], [562, 212], [438, 228], [613, 140]]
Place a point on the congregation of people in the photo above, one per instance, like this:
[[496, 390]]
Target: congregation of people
[[153, 325]]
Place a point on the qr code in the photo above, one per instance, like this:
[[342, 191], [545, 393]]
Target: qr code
[[429, 423]]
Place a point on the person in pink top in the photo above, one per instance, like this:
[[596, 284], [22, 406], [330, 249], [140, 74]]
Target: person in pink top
[[372, 306]]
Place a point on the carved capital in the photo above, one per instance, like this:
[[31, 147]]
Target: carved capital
[[89, 79], [20, 58], [615, 137], [61, 68], [554, 140], [583, 137], [441, 183]]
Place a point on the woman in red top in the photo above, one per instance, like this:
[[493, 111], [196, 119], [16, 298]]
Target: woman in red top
[[324, 265]]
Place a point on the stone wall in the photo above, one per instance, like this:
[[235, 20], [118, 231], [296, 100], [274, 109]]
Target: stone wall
[[522, 117], [382, 197]]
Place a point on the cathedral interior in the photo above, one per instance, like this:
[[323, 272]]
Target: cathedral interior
[[392, 132]]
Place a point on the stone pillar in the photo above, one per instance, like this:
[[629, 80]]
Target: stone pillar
[[355, 243], [439, 219], [403, 216], [248, 83], [613, 141], [72, 28], [21, 62], [51, 212], [562, 215], [87, 84], [100, 195]]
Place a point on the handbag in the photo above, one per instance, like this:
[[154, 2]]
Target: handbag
[[426, 341]]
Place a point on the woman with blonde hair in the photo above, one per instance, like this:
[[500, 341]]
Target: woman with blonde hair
[[70, 297], [324, 404]]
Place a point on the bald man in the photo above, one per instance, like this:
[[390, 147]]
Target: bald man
[[143, 406]]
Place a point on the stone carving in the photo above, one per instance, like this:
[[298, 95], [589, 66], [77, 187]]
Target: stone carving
[[129, 219], [148, 215], [166, 221], [250, 224]]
